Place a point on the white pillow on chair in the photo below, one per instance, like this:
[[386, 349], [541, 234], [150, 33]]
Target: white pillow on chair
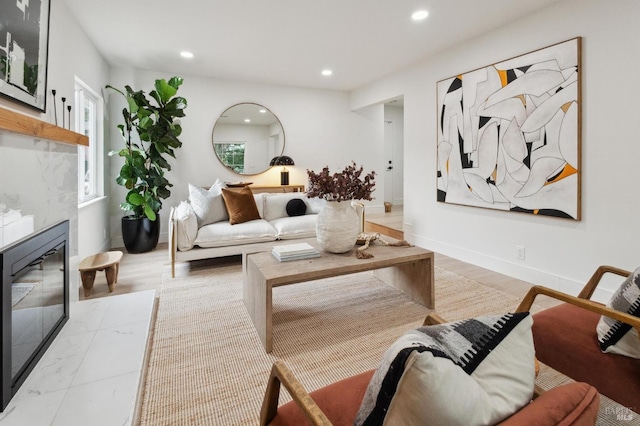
[[472, 372], [615, 336]]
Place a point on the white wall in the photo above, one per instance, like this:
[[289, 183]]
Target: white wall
[[71, 55], [318, 125], [559, 253]]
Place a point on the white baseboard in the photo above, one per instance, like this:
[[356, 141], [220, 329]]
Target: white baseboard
[[517, 270]]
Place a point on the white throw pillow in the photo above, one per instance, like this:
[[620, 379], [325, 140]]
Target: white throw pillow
[[208, 205], [615, 336], [187, 224], [275, 205], [314, 205], [472, 372]]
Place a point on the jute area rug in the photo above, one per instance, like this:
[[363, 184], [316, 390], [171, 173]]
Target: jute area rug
[[207, 365]]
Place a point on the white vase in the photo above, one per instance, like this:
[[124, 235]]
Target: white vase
[[338, 227]]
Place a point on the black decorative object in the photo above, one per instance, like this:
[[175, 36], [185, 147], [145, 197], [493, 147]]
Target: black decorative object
[[23, 60], [140, 235], [55, 107], [69, 121], [283, 160], [63, 101], [296, 207]]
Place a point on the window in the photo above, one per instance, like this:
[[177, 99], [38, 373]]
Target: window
[[88, 122], [231, 154]]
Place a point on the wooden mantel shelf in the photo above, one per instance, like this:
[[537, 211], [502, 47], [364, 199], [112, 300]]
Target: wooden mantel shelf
[[25, 125]]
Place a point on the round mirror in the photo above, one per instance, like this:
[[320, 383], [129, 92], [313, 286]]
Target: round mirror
[[246, 137]]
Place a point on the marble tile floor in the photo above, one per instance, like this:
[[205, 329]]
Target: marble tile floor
[[91, 373]]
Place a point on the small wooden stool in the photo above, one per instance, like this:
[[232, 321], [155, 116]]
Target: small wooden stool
[[109, 262]]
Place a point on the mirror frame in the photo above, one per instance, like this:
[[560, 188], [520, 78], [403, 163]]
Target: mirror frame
[[267, 166]]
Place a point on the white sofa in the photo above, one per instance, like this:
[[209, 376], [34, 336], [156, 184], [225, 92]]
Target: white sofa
[[189, 242]]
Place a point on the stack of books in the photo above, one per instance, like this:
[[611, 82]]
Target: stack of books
[[297, 251]]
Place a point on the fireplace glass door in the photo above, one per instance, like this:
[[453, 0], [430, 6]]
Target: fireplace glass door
[[37, 306]]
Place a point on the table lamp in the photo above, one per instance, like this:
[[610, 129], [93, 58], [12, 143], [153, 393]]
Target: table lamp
[[283, 160]]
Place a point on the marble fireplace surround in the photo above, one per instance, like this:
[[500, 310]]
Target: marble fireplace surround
[[39, 174], [77, 380]]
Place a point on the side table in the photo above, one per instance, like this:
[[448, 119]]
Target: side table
[[109, 262]]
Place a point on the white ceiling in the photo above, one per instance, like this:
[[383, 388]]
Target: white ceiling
[[287, 41]]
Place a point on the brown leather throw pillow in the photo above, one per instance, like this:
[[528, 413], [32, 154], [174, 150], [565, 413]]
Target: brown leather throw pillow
[[241, 205]]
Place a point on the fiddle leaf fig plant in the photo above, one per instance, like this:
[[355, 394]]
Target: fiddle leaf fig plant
[[150, 132]]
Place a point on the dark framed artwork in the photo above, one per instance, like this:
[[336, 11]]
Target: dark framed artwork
[[24, 41], [509, 134]]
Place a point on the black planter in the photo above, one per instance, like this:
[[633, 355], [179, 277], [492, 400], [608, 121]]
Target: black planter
[[140, 235]]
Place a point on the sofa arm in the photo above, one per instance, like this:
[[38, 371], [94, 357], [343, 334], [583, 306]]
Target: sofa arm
[[183, 229]]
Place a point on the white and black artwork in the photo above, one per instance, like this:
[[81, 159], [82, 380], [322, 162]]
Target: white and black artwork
[[24, 33], [509, 134]]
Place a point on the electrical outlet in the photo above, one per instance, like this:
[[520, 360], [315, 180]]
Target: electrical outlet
[[520, 252]]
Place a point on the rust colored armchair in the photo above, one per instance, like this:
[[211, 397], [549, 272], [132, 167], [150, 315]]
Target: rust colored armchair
[[338, 403], [565, 339]]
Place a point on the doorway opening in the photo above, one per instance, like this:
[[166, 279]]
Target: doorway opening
[[391, 221]]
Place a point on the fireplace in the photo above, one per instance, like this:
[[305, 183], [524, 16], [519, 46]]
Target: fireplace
[[34, 302]]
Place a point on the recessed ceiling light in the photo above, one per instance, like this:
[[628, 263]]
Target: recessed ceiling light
[[263, 111], [186, 54], [247, 120], [419, 15], [327, 72]]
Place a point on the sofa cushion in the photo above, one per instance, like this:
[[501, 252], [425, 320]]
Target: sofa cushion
[[221, 234], [566, 340], [314, 205], [241, 205], [288, 228], [296, 207], [259, 198], [187, 226], [475, 371], [208, 204], [339, 410], [615, 336], [275, 204], [571, 404]]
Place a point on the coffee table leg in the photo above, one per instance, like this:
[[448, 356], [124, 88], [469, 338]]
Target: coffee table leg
[[415, 279], [257, 300]]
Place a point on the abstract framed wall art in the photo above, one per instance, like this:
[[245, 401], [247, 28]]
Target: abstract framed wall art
[[509, 134], [24, 40]]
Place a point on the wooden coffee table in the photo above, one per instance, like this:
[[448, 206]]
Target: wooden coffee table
[[409, 269]]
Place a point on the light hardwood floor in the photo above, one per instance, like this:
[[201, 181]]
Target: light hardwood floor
[[139, 272], [386, 223]]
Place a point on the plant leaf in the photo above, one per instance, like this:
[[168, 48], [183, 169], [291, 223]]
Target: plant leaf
[[164, 90], [148, 211]]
